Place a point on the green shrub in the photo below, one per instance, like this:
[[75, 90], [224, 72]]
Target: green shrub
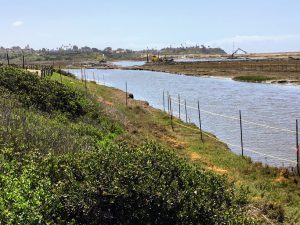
[[147, 185], [114, 185], [25, 194], [43, 94], [26, 130]]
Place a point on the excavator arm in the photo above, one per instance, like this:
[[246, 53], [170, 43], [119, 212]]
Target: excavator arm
[[236, 51]]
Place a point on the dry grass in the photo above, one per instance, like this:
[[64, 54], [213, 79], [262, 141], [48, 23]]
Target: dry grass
[[279, 69]]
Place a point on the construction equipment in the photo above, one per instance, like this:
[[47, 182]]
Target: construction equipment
[[236, 51], [157, 59]]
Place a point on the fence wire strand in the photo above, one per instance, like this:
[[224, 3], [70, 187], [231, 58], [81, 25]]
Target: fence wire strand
[[233, 145], [174, 100], [234, 118]]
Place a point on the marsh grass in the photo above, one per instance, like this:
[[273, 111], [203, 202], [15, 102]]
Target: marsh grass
[[255, 79]]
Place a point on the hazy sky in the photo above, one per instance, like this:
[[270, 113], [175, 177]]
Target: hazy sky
[[254, 25]]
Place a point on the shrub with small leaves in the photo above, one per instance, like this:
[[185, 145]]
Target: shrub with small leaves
[[43, 94]]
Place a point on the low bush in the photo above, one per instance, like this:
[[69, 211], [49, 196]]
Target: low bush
[[28, 129], [115, 185], [43, 94]]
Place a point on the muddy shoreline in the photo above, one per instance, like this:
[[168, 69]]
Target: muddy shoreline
[[285, 72]]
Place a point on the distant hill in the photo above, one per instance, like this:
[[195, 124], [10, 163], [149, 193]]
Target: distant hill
[[75, 54]]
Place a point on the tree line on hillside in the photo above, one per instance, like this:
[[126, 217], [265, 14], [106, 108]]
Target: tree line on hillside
[[73, 53]]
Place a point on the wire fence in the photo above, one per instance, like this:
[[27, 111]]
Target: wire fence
[[185, 111], [237, 126]]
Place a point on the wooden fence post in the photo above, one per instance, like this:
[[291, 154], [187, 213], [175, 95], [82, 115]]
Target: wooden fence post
[[59, 70], [171, 114], [164, 101], [23, 60], [42, 72], [297, 147], [126, 93], [179, 106], [186, 116], [241, 131], [7, 57], [200, 125], [85, 80], [168, 97]]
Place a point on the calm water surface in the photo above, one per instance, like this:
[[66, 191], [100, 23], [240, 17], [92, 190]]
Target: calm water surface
[[129, 63], [272, 105]]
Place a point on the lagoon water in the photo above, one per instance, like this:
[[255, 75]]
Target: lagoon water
[[128, 63], [272, 109]]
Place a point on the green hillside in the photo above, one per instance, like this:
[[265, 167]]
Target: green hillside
[[64, 161]]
